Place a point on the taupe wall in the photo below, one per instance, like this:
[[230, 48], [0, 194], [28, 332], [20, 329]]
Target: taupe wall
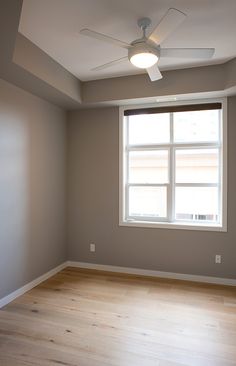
[[32, 187], [93, 207], [33, 215]]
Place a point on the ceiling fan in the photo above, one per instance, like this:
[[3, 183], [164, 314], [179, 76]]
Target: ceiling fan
[[145, 52]]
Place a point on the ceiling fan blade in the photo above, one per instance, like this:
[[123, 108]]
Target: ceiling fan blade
[[154, 73], [109, 64], [187, 52], [104, 38], [171, 20]]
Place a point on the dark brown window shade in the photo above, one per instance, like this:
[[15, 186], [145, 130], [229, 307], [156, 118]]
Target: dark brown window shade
[[177, 108]]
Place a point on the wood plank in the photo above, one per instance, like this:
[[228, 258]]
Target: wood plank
[[87, 318]]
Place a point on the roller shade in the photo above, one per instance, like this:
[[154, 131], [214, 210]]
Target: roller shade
[[176, 108]]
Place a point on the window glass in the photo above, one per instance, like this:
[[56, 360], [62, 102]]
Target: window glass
[[196, 203], [202, 126], [149, 129], [148, 166], [197, 166], [148, 201]]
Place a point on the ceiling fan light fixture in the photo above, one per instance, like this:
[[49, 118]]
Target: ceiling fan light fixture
[[144, 60], [143, 56]]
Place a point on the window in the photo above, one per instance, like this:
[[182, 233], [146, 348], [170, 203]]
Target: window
[[173, 166]]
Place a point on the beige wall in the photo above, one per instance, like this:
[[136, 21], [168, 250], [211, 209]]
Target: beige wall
[[93, 181], [32, 187]]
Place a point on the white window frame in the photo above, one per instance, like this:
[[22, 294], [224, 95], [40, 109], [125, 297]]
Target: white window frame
[[123, 170]]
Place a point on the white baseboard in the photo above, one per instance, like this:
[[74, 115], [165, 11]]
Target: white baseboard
[[104, 267], [12, 296], [160, 274]]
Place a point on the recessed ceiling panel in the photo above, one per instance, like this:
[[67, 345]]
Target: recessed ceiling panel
[[54, 25]]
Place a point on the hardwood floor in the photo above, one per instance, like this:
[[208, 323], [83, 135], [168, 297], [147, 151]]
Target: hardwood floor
[[88, 318]]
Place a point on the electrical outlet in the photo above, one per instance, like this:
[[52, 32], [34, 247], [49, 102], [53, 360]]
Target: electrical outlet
[[92, 247], [218, 259]]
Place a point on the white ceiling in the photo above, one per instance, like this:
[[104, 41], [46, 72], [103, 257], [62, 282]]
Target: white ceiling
[[54, 25]]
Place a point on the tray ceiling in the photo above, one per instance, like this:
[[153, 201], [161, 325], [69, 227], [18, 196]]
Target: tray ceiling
[[54, 25]]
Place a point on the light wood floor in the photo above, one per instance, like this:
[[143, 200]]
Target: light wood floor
[[89, 318]]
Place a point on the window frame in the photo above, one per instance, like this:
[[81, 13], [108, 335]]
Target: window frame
[[123, 171]]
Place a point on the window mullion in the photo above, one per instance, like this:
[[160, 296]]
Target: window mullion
[[147, 184], [170, 196], [187, 145], [196, 184], [127, 171], [220, 169]]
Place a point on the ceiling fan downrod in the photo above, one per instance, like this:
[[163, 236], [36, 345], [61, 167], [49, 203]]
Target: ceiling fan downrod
[[144, 23]]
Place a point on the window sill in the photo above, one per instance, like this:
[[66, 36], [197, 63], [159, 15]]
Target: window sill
[[175, 225]]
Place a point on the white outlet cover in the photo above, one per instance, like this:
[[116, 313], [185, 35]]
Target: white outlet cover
[[92, 247], [218, 259]]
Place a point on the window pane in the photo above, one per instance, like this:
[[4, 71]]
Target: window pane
[[149, 129], [196, 126], [196, 166], [196, 203], [147, 201], [148, 166]]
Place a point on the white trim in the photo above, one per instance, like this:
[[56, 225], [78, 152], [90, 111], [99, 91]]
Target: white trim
[[173, 225], [222, 226], [224, 153], [20, 291], [151, 273]]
